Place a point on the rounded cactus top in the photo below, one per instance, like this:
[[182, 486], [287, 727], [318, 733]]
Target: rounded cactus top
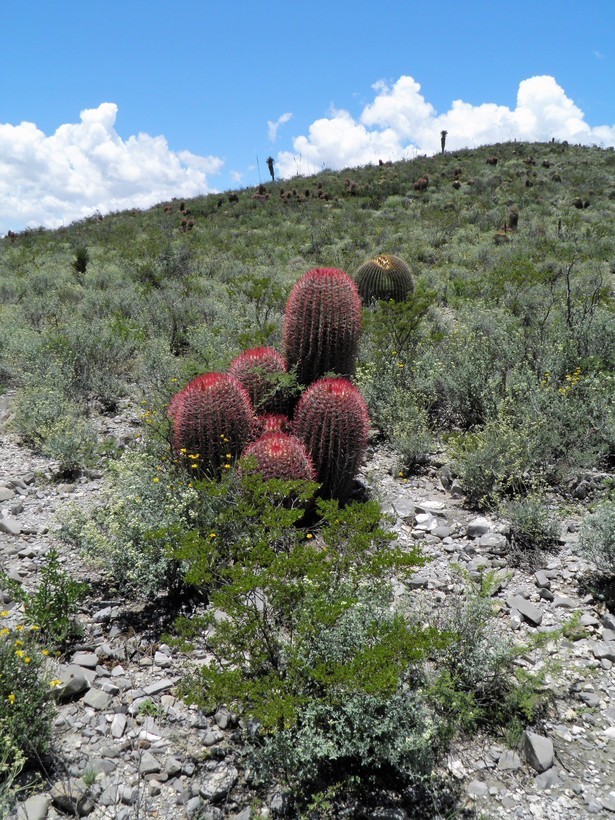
[[384, 277], [280, 455], [255, 368]]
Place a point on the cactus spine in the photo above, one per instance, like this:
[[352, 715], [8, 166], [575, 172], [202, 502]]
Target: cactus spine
[[331, 419], [322, 323], [279, 455], [212, 419], [257, 369], [384, 277]]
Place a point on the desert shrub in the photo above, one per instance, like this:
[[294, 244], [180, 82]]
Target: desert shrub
[[47, 419], [12, 762], [309, 646], [495, 462], [52, 608], [597, 537], [146, 504], [477, 683], [25, 694], [533, 529], [394, 407]]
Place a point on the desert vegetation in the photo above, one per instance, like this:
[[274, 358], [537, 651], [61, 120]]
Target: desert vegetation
[[485, 343]]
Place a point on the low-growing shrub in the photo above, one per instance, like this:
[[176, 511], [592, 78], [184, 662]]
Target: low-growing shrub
[[26, 703], [146, 506], [533, 529], [597, 537], [54, 604]]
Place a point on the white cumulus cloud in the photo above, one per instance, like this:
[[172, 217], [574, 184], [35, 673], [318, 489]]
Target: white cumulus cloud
[[273, 125], [86, 167], [399, 123]]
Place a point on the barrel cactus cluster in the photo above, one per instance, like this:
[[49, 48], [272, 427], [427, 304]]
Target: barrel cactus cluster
[[247, 413]]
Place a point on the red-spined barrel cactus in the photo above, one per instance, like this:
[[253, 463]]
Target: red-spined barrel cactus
[[331, 419], [322, 323], [384, 277], [212, 419], [279, 455], [257, 369], [270, 423]]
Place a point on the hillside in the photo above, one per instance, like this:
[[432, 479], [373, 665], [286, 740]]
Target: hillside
[[491, 395]]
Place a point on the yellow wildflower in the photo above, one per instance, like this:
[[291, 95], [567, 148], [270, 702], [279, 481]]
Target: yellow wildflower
[[20, 653], [11, 698], [44, 652], [4, 613], [27, 660], [156, 480], [55, 682]]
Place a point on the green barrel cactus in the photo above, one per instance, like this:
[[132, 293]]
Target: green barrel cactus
[[384, 277]]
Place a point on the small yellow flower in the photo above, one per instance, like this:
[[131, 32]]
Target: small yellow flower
[[227, 466], [19, 643], [55, 682], [183, 450], [4, 613], [228, 455], [20, 653], [212, 534], [27, 660], [5, 631], [34, 628], [19, 627], [195, 466], [44, 652], [309, 535], [156, 480], [11, 698]]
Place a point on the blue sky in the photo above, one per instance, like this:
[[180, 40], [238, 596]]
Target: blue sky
[[130, 103]]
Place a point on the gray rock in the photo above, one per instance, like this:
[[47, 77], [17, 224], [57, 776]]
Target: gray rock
[[34, 808], [609, 801], [547, 779], [244, 814], [73, 682], [279, 804], [224, 719], [542, 581], [149, 764], [509, 760], [603, 650], [10, 526], [87, 659], [72, 796], [538, 751], [565, 603], [159, 686], [477, 527], [476, 788], [6, 494], [217, 784], [118, 724], [494, 542], [97, 699], [530, 612]]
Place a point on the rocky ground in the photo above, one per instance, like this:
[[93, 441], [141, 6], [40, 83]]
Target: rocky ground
[[127, 747]]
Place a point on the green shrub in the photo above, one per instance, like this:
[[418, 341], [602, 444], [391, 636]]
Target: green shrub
[[533, 529], [51, 609], [12, 761], [146, 505], [25, 695], [46, 418], [597, 537]]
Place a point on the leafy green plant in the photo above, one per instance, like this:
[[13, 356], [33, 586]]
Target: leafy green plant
[[25, 697], [51, 609], [12, 761]]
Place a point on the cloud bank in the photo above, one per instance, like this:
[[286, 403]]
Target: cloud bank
[[87, 167], [399, 123]]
